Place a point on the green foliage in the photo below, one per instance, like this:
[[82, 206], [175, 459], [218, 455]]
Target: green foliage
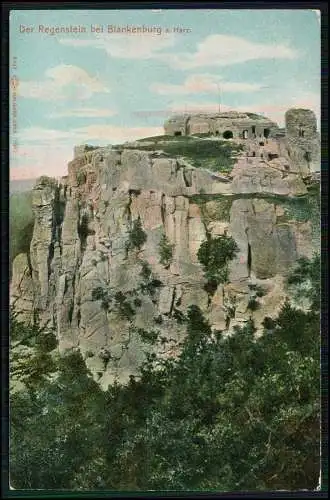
[[253, 304], [268, 323], [257, 290], [230, 413], [253, 116], [203, 134], [305, 277], [83, 230], [88, 147], [21, 222], [55, 431], [220, 209], [150, 283], [148, 336], [165, 251], [213, 155], [30, 355], [137, 237], [179, 316], [214, 254], [145, 271], [100, 293], [124, 307]]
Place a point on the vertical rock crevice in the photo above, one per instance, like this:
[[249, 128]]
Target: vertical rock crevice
[[249, 260]]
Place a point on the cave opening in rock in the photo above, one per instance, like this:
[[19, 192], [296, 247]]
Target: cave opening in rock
[[227, 134], [245, 134], [266, 132], [177, 133], [249, 260]]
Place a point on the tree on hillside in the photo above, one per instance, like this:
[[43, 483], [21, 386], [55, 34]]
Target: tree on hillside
[[231, 413]]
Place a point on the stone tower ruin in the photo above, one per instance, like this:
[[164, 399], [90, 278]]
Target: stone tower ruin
[[303, 140]]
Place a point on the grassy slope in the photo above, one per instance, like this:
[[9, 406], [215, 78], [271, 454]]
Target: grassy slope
[[214, 155]]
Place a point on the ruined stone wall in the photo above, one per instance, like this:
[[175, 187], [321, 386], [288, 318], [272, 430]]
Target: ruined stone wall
[[176, 126], [303, 140], [232, 124]]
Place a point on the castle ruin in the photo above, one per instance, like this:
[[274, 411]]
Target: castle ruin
[[298, 142]]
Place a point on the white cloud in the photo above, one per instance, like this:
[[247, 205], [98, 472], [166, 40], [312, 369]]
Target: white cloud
[[84, 113], [108, 134], [40, 134], [279, 104], [196, 84], [214, 50], [47, 151], [112, 134], [33, 160], [195, 107], [62, 82], [223, 50], [125, 46]]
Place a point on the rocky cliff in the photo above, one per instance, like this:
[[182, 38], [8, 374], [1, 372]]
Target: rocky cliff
[[114, 298]]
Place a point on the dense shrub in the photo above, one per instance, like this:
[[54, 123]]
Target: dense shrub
[[214, 254], [230, 413], [137, 237], [201, 153], [165, 251]]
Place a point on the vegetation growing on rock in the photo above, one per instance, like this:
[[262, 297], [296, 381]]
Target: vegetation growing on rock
[[165, 251], [218, 156], [230, 413], [214, 254], [137, 237]]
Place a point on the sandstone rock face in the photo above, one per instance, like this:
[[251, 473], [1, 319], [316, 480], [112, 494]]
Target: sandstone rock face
[[112, 298]]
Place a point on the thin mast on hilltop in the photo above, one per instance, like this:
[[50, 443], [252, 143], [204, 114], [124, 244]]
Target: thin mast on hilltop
[[219, 98]]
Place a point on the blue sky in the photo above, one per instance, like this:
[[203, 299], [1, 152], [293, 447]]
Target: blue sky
[[105, 88]]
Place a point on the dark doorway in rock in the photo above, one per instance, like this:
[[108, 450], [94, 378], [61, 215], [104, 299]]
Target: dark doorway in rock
[[253, 130], [249, 260], [301, 132], [266, 132], [245, 134], [308, 156], [177, 133], [271, 156], [227, 134], [253, 153], [217, 132]]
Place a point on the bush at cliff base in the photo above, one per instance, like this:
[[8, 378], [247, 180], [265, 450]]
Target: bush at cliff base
[[231, 413]]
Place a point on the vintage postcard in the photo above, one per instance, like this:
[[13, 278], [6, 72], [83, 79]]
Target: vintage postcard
[[165, 250]]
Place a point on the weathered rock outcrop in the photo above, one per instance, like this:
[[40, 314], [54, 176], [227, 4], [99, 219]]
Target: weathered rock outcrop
[[115, 301]]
